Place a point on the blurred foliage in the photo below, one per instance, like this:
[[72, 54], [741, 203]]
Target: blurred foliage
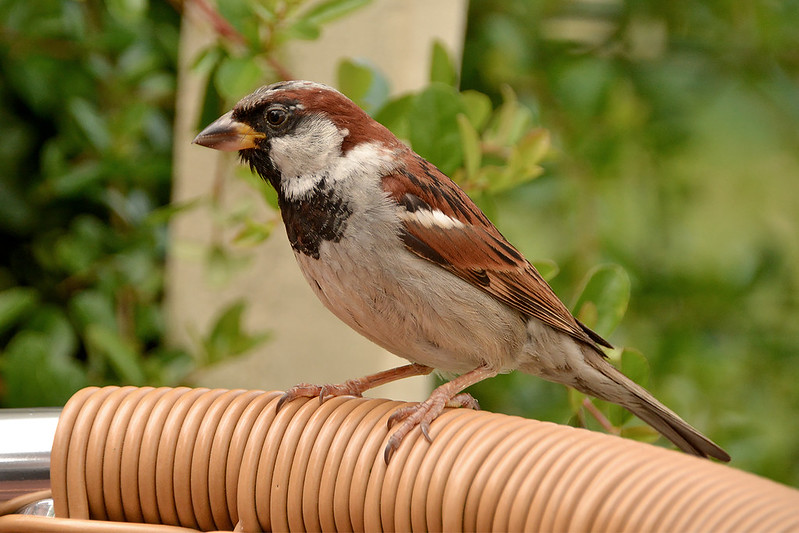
[[486, 150], [675, 128], [87, 98]]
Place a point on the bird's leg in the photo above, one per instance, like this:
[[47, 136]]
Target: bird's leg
[[353, 387], [423, 414]]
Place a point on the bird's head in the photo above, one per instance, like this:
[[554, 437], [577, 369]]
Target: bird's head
[[291, 131]]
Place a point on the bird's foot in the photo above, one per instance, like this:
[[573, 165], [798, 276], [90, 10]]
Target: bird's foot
[[422, 415], [351, 387]]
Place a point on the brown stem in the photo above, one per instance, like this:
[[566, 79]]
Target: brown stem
[[596, 413], [280, 69], [226, 30], [219, 23]]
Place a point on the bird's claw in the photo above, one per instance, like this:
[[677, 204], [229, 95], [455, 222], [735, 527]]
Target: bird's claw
[[422, 415], [464, 399], [302, 390], [391, 447], [406, 414], [425, 428], [401, 414], [323, 392]]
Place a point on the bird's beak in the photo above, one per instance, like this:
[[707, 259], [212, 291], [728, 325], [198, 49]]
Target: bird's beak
[[228, 135]]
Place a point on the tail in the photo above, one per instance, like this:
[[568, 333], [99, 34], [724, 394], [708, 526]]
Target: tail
[[674, 428], [642, 404]]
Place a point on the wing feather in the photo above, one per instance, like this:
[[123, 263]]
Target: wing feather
[[444, 226]]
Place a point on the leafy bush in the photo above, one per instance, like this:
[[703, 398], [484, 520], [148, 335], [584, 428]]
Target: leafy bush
[[87, 101], [675, 130]]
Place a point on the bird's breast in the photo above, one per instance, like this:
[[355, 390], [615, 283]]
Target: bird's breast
[[408, 305]]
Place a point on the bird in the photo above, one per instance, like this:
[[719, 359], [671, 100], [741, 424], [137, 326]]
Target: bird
[[401, 254]]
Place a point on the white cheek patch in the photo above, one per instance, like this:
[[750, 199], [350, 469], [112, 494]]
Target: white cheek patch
[[367, 158], [432, 219], [364, 161], [311, 149]]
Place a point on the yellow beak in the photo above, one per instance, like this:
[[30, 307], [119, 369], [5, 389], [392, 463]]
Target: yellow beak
[[228, 135]]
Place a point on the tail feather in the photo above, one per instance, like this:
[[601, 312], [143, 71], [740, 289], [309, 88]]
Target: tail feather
[[646, 407], [674, 428]]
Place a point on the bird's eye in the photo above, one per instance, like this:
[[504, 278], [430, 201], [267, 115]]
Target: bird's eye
[[276, 116]]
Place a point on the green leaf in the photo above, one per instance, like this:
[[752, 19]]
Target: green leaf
[[162, 215], [269, 194], [239, 13], [15, 304], [127, 11], [511, 121], [303, 30], [442, 69], [434, 130], [363, 83], [640, 432], [529, 151], [576, 400], [207, 60], [266, 191], [254, 233], [137, 267], [169, 366], [91, 122], [635, 366], [589, 315], [237, 76], [149, 323], [394, 115], [606, 289], [34, 375], [77, 179], [472, 152], [54, 324], [228, 338], [122, 356], [323, 12], [222, 265], [547, 268], [78, 250], [522, 165], [92, 307], [477, 107], [263, 12], [137, 61]]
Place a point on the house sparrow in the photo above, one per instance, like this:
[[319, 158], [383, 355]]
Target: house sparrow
[[402, 255]]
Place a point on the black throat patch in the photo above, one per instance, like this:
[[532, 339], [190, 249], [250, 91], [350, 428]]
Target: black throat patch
[[321, 216]]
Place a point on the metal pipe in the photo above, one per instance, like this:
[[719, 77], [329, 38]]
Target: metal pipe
[[26, 437]]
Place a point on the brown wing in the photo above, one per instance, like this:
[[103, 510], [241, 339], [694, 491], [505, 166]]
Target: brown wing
[[444, 226]]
